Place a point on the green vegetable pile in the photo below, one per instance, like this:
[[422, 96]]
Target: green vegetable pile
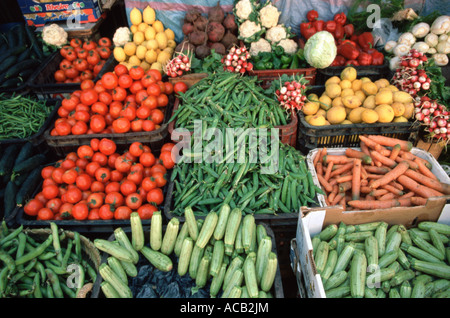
[[21, 116], [225, 99], [36, 265]]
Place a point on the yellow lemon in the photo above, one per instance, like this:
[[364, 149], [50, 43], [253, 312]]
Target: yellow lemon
[[152, 44], [333, 79], [355, 115], [369, 88], [149, 15], [140, 52], [369, 102], [142, 26], [119, 54], [317, 120], [351, 101], [347, 92], [158, 26], [409, 110], [402, 97], [325, 102], [360, 94], [134, 60], [369, 116], [149, 33], [135, 16], [133, 28], [172, 44], [399, 109], [145, 65], [385, 113], [336, 115], [349, 73], [170, 34], [310, 108], [130, 48], [356, 85], [345, 84], [138, 37], [151, 56], [333, 90], [384, 97]]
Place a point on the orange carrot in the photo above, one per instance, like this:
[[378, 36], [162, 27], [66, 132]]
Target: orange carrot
[[331, 197], [338, 198], [412, 164], [391, 142], [383, 159], [377, 170], [319, 168], [366, 150], [369, 197], [317, 157], [407, 195], [391, 175], [374, 145], [387, 196], [418, 188], [418, 201], [397, 185], [365, 190], [328, 171], [356, 179], [324, 183], [374, 176], [429, 182], [425, 171], [344, 186], [332, 181], [364, 182], [377, 204], [392, 189], [345, 178], [353, 153], [342, 202], [363, 173], [378, 192], [344, 168], [413, 157], [395, 151], [323, 153], [336, 159]]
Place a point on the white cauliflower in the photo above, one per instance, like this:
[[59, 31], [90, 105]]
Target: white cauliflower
[[55, 35], [243, 9], [269, 16], [276, 34], [289, 46], [249, 28], [122, 36], [261, 45]]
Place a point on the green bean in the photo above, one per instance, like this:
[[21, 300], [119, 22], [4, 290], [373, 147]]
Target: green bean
[[54, 282], [11, 235], [35, 252]]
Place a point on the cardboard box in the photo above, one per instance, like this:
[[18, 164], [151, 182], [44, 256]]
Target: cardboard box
[[436, 167], [38, 13], [313, 220]]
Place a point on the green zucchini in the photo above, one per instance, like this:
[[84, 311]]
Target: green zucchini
[[17, 68], [29, 164], [8, 158], [7, 63], [28, 186]]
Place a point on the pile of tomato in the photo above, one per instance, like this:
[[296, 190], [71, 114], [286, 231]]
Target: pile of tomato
[[82, 60], [97, 183], [121, 101]]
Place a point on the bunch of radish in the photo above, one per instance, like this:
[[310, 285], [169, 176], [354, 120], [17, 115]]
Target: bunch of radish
[[236, 61], [178, 65], [434, 116], [291, 95], [409, 77]]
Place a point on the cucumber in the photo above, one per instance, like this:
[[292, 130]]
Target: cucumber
[[16, 69], [8, 158], [34, 43], [29, 164], [7, 63], [25, 152], [28, 186], [10, 194]]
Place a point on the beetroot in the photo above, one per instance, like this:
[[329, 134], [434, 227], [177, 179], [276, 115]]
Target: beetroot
[[230, 23], [192, 15], [185, 46], [218, 48], [197, 37], [201, 23], [202, 51], [216, 14], [229, 40], [187, 28], [215, 31]]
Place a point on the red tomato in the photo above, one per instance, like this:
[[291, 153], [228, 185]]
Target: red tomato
[[136, 125], [83, 181], [168, 88], [167, 159], [46, 172], [104, 52], [160, 179], [89, 96], [85, 151], [148, 125], [54, 205], [60, 76], [119, 93], [155, 196], [71, 72], [87, 84], [107, 146], [95, 200], [32, 207], [89, 45], [82, 54], [146, 211], [125, 80], [103, 174], [80, 128], [50, 191], [148, 183], [66, 211], [122, 213], [97, 123], [133, 201], [163, 100], [73, 195], [147, 80], [154, 89], [136, 72], [80, 211], [151, 102], [110, 80], [112, 186], [45, 214], [157, 116], [121, 125], [157, 76], [106, 212], [93, 57], [143, 112], [70, 176], [104, 41], [123, 164], [94, 214], [114, 199], [167, 147], [180, 87], [76, 42], [80, 64], [120, 69]]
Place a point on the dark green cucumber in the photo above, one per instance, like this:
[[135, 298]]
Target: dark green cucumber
[[29, 164], [10, 194], [34, 43], [8, 62], [8, 158], [19, 67], [25, 152], [28, 186]]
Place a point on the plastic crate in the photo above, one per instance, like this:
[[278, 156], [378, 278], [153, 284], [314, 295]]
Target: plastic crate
[[277, 288], [373, 72], [288, 132], [267, 76], [43, 84], [154, 139], [331, 136]]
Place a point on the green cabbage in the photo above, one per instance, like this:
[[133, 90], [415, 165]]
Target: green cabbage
[[320, 50]]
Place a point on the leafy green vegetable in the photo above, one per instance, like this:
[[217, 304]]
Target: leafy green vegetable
[[210, 64], [438, 90]]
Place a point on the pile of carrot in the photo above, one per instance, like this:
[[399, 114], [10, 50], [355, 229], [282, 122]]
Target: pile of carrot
[[382, 174]]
